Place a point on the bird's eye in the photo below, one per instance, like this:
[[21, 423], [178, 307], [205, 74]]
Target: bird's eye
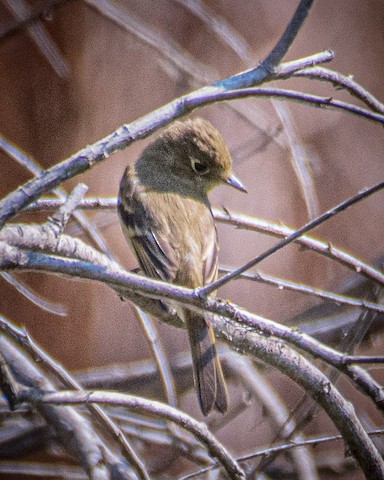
[[199, 167]]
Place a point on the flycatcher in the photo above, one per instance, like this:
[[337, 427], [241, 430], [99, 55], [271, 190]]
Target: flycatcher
[[167, 221]]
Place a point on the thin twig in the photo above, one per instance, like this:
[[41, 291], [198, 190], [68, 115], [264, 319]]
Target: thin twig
[[265, 70], [322, 247], [341, 413], [41, 37], [34, 349], [248, 222], [307, 290], [304, 229], [348, 359], [32, 166], [159, 355], [152, 407], [346, 82], [73, 431], [280, 448], [212, 96], [26, 291]]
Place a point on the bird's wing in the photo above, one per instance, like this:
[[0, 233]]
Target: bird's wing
[[155, 255]]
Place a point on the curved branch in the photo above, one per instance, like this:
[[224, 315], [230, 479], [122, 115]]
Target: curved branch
[[138, 289], [21, 337], [247, 222], [346, 82], [145, 406], [244, 369], [307, 290], [73, 430], [340, 411], [212, 96], [295, 235], [143, 127], [265, 70]]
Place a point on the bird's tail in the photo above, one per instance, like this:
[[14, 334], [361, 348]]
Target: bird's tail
[[208, 375]]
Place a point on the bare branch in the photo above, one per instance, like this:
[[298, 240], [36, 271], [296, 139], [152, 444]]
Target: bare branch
[[211, 96], [339, 80], [32, 348], [32, 166], [142, 405], [137, 288], [266, 68], [33, 297], [302, 371], [41, 37], [308, 290], [74, 432], [248, 222], [306, 228]]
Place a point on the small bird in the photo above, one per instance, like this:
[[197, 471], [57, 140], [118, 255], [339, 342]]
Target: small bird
[[167, 221]]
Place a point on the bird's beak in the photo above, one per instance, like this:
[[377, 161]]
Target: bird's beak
[[233, 181]]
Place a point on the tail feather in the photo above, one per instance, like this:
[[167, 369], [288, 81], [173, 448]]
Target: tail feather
[[209, 379], [221, 402]]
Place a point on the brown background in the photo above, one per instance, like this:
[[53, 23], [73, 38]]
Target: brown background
[[115, 78]]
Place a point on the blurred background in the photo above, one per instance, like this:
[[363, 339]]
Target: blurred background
[[86, 67]]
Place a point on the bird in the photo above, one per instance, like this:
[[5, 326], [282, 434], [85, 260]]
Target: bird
[[167, 221]]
